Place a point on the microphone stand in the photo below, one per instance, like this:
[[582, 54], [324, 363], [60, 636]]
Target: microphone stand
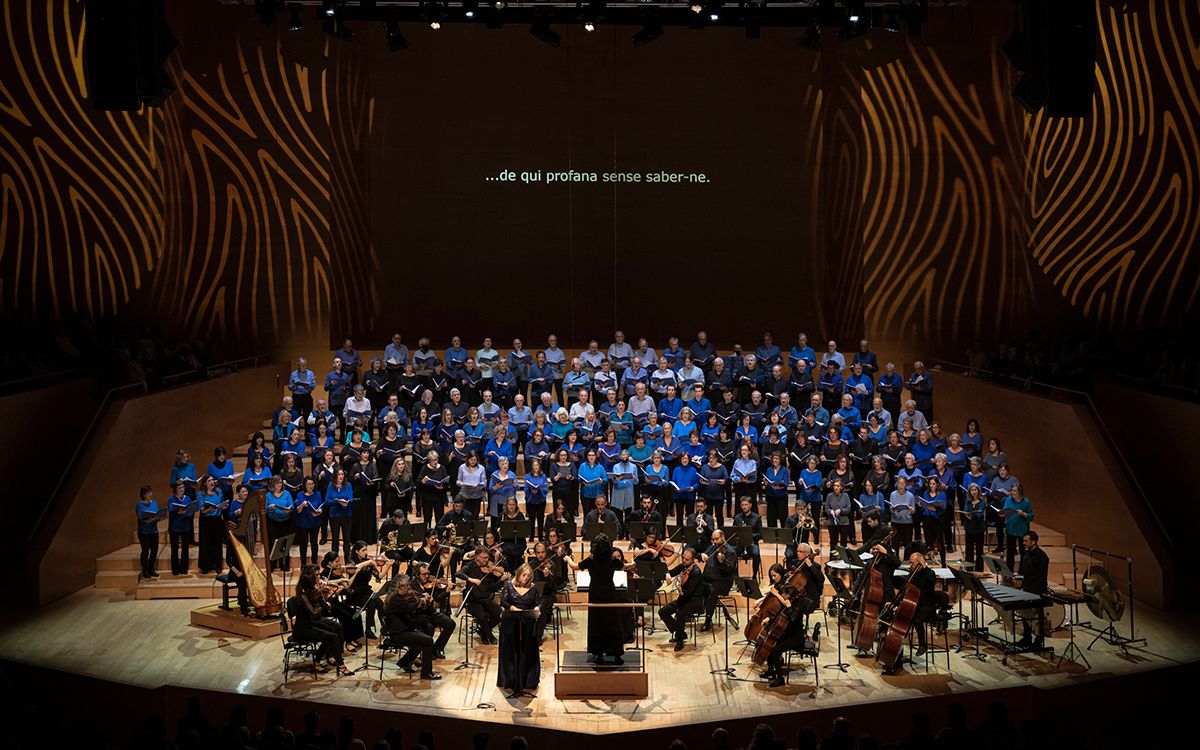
[[466, 662], [728, 671], [843, 666], [362, 612]]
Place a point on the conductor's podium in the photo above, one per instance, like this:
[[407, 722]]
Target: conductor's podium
[[578, 679]]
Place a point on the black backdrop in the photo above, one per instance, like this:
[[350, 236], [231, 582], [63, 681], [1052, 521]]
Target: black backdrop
[[462, 254]]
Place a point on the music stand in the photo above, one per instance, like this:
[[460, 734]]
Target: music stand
[[843, 593], [975, 586], [686, 534], [643, 589], [651, 570], [594, 529], [749, 589], [778, 537], [638, 529], [739, 536], [566, 531], [516, 530], [470, 529], [281, 549]]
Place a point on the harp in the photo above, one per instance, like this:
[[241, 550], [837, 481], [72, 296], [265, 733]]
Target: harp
[[260, 587]]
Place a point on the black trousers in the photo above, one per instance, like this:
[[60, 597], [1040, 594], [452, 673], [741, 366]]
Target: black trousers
[[487, 615], [303, 403], [417, 643], [674, 614], [277, 530], [212, 532], [181, 542], [716, 589], [1013, 547], [920, 617], [933, 535], [433, 507], [683, 509], [328, 632], [308, 538], [975, 550], [777, 510], [838, 533], [442, 623], [792, 643], [904, 534], [537, 514], [339, 533], [149, 554]]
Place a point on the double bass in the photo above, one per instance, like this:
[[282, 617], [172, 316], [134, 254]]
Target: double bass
[[867, 624], [897, 632], [770, 622]]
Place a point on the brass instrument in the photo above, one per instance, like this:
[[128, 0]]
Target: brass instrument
[[389, 543]]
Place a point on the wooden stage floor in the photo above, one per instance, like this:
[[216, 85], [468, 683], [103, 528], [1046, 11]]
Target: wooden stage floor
[[151, 644]]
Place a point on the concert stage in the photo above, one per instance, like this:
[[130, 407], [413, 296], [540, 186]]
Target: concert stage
[[150, 644]]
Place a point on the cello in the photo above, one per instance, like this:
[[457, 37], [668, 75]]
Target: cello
[[871, 606], [771, 621], [897, 632]]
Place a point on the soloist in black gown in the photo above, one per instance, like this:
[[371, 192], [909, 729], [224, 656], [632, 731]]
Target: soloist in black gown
[[605, 625], [520, 658]]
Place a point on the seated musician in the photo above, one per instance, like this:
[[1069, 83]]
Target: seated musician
[[602, 514], [798, 605], [402, 616], [703, 523], [434, 613], [334, 581], [653, 548], [457, 516], [645, 514], [690, 601], [1035, 565], [802, 525], [441, 558], [483, 577], [748, 516], [720, 568], [887, 562], [388, 532], [548, 571], [313, 622], [363, 570], [922, 582], [514, 548]]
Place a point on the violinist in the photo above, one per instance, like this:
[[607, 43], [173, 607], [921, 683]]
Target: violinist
[[548, 570], [797, 605], [441, 558], [363, 571], [720, 568], [653, 548], [334, 580], [402, 616], [389, 530], [560, 551], [434, 612], [690, 601], [514, 549], [313, 623], [483, 576]]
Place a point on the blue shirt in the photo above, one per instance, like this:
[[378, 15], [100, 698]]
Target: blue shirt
[[180, 522], [305, 518], [187, 471], [279, 507], [768, 355], [810, 492], [902, 506], [146, 525], [210, 505], [302, 383], [624, 467], [775, 475], [744, 469], [806, 353], [685, 480], [592, 479], [500, 488], [656, 476], [631, 377], [889, 386], [668, 409], [333, 501], [861, 400], [456, 357], [535, 489], [493, 451], [1015, 525]]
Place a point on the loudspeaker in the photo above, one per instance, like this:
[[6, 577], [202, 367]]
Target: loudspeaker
[[125, 45]]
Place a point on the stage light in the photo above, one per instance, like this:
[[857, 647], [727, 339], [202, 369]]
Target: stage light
[[329, 8], [395, 40], [589, 27], [499, 5], [892, 23], [434, 12], [469, 8], [294, 22], [714, 17], [697, 7]]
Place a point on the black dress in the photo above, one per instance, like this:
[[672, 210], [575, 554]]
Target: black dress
[[520, 659], [605, 626]]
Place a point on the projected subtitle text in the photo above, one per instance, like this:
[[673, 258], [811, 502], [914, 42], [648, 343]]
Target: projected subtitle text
[[547, 177]]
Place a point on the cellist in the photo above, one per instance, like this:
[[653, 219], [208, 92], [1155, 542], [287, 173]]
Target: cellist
[[887, 562], [797, 605], [921, 583]]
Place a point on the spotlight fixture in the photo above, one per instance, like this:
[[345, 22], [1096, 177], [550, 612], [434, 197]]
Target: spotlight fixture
[[589, 26], [470, 7], [329, 8], [697, 7], [857, 22], [294, 21], [434, 13], [542, 32], [395, 39], [499, 5]]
